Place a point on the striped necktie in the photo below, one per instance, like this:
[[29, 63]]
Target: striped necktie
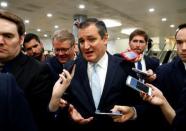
[[139, 65]]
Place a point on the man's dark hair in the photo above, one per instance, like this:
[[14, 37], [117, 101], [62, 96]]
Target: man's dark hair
[[29, 37], [179, 28], [102, 30], [15, 19], [139, 32]]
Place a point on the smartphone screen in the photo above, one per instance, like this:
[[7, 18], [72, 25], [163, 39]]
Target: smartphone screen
[[137, 85]]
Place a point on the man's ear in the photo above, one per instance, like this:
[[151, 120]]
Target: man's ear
[[105, 38], [21, 39]]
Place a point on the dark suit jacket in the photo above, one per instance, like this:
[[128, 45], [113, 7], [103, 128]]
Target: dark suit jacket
[[55, 66], [115, 92], [35, 80], [171, 79], [15, 113]]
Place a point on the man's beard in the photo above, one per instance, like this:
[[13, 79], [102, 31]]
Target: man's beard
[[38, 57]]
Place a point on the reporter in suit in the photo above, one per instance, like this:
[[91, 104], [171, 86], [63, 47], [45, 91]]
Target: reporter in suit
[[171, 80], [172, 76], [93, 40], [138, 43], [31, 76], [14, 109]]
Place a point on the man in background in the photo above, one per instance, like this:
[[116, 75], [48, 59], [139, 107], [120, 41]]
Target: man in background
[[64, 49], [34, 47], [138, 43]]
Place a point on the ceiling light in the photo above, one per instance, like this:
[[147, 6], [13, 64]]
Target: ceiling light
[[4, 4], [49, 15], [45, 35], [38, 30], [151, 10], [172, 26], [56, 26], [118, 38], [27, 21], [81, 6], [127, 31], [111, 23], [164, 19]]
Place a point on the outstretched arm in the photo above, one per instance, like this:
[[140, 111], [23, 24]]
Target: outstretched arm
[[59, 88], [157, 98]]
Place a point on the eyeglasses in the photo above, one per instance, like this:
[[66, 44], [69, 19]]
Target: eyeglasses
[[64, 50]]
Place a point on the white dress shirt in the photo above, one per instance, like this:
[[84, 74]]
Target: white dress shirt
[[101, 70]]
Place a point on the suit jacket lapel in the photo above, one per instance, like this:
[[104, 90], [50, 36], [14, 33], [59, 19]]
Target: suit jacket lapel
[[112, 66], [179, 73], [84, 92]]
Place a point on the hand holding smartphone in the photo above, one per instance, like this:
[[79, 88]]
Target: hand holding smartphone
[[140, 72], [138, 86]]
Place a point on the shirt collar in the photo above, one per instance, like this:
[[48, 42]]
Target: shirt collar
[[102, 62]]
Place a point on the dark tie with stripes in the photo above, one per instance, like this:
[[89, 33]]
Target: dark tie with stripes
[[139, 65]]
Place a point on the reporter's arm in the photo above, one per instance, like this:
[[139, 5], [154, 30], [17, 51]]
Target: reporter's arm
[[58, 90], [168, 111], [157, 98]]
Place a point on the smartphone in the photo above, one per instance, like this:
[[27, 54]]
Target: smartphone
[[109, 113], [137, 85], [139, 72], [69, 65]]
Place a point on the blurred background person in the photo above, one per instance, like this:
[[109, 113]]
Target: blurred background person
[[138, 43], [34, 47], [64, 49]]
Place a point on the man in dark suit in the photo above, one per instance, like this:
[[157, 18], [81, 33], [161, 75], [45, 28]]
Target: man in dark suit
[[13, 105], [172, 78], [138, 43], [64, 49], [111, 78], [32, 77]]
